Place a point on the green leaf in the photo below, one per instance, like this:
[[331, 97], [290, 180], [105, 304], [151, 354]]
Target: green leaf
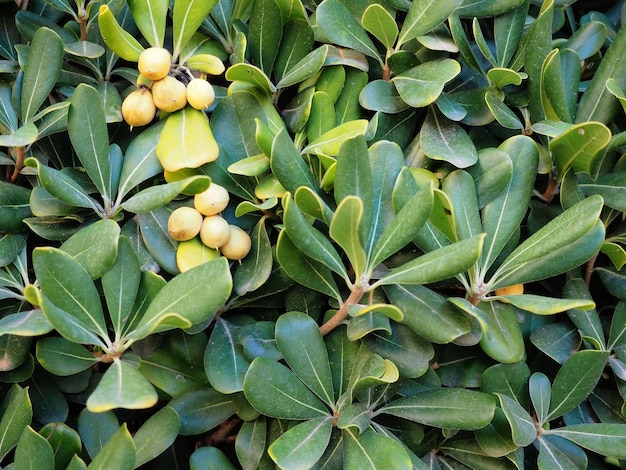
[[156, 435], [539, 45], [121, 386], [299, 339], [257, 266], [17, 413], [302, 445], [186, 297], [501, 111], [422, 85], [187, 18], [25, 135], [436, 265], [355, 415], [14, 206], [307, 67], [251, 74], [581, 148], [33, 452], [224, 360], [265, 30], [116, 38], [96, 429], [250, 442], [553, 96], [597, 103], [522, 426], [424, 16], [557, 340], [28, 323], [65, 443], [297, 43], [303, 269], [201, 410], [186, 140], [275, 391], [382, 95], [345, 228], [460, 189], [338, 25], [364, 324], [158, 195], [371, 450], [503, 339], [612, 188], [486, 8], [575, 380], [455, 408], [41, 71], [442, 139], [89, 135], [118, 453], [561, 233], [150, 17], [205, 457], [309, 240], [379, 22], [541, 305], [62, 357], [330, 143], [71, 298], [540, 395], [604, 438], [95, 247]]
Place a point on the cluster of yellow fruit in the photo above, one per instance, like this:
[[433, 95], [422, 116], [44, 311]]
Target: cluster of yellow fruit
[[158, 89], [204, 222]]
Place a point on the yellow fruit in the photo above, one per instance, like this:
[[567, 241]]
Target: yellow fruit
[[154, 63], [215, 231], [238, 245], [184, 223], [138, 108], [517, 289], [211, 201], [200, 94], [169, 94], [192, 253]]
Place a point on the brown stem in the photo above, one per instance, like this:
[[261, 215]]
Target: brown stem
[[589, 268], [342, 313], [550, 191], [19, 164]]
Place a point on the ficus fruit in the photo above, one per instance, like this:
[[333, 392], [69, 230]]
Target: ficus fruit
[[184, 223], [215, 231], [138, 108], [154, 63], [200, 94], [239, 244], [169, 94], [211, 201]]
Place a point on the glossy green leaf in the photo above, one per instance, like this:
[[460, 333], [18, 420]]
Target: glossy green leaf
[[557, 340], [541, 305], [310, 240], [33, 451], [581, 148], [380, 24], [154, 235], [224, 361], [495, 439], [553, 94], [169, 370], [436, 265], [540, 395], [503, 340], [8, 115], [442, 139], [304, 270], [302, 445], [28, 323], [502, 112], [72, 303], [492, 174], [362, 325], [119, 452], [14, 206], [116, 38], [251, 74], [299, 339], [561, 233], [468, 453], [264, 34], [296, 44], [461, 192], [96, 429], [604, 438], [41, 71], [382, 95], [201, 410], [250, 442], [312, 204], [185, 298], [355, 415], [186, 140], [508, 28], [428, 313], [17, 413], [62, 186], [345, 228], [156, 435], [597, 103], [95, 247], [205, 457], [455, 408], [157, 196], [65, 442], [501, 77], [187, 18], [422, 85], [25, 135], [575, 380], [371, 450], [89, 135], [256, 268], [275, 391], [330, 142], [307, 67], [538, 47], [485, 8], [424, 16], [150, 18], [343, 29], [62, 357], [612, 188], [522, 426]]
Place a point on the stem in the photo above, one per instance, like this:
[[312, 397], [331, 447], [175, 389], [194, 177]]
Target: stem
[[19, 164], [589, 268], [342, 313]]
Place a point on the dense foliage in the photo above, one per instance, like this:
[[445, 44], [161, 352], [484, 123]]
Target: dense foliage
[[431, 196]]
